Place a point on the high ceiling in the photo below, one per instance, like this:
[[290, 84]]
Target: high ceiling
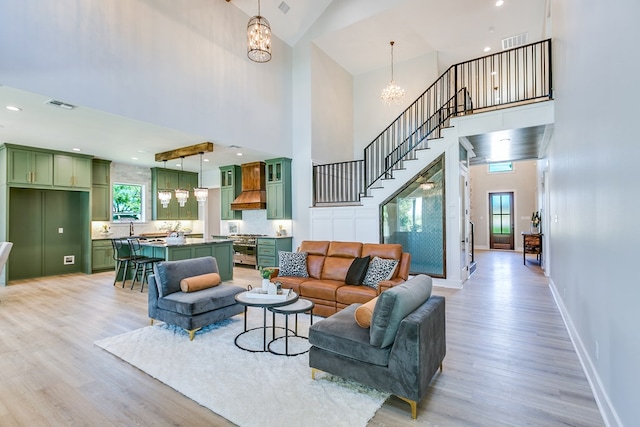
[[354, 33]]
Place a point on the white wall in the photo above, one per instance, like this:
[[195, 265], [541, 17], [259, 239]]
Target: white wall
[[522, 181], [181, 64], [593, 194], [332, 110]]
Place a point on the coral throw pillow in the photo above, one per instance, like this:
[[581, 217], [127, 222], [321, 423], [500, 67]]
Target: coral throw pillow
[[364, 312]]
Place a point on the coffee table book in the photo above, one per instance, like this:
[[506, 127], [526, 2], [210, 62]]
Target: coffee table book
[[259, 293]]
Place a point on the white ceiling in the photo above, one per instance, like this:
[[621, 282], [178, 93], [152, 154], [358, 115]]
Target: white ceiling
[[358, 40]]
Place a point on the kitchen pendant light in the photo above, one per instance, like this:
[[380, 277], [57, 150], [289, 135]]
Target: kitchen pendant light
[[259, 38], [164, 195], [392, 94], [199, 192], [181, 195]]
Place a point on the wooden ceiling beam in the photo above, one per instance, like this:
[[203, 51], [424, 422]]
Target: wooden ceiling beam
[[192, 150]]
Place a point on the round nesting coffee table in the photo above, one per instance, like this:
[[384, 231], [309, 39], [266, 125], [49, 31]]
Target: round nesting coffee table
[[300, 306], [265, 303]]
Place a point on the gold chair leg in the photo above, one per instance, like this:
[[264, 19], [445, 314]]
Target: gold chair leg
[[192, 333], [414, 407], [313, 373], [151, 322], [440, 367]]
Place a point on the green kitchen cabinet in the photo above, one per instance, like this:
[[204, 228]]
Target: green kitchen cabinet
[[101, 190], [268, 248], [29, 167], [278, 179], [230, 187], [102, 255], [170, 180], [72, 171]]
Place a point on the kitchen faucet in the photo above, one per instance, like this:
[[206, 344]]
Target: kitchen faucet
[[131, 229]]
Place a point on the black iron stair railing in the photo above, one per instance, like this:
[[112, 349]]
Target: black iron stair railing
[[513, 77]]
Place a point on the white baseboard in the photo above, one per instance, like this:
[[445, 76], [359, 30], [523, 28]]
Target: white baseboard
[[608, 412]]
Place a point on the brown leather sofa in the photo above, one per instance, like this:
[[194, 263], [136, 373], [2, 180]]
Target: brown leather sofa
[[328, 264]]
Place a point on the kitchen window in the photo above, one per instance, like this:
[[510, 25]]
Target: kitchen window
[[127, 202]]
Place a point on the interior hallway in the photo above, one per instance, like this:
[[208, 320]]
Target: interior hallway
[[509, 358]]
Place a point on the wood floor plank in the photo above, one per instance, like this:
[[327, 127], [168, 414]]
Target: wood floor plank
[[509, 358]]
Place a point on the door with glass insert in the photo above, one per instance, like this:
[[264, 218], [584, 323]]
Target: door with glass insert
[[501, 220]]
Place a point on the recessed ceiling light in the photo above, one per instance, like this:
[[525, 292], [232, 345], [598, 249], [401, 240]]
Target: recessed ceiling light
[[13, 108], [499, 3], [238, 154], [205, 160], [487, 49], [75, 149], [134, 158]]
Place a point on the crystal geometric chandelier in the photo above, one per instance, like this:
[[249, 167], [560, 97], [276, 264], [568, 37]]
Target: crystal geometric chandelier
[[392, 94], [181, 195], [259, 38], [164, 195], [201, 193]]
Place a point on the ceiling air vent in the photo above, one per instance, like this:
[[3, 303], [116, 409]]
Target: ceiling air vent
[[60, 104], [284, 7], [515, 41]]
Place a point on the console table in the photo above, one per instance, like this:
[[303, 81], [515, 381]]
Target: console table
[[532, 244]]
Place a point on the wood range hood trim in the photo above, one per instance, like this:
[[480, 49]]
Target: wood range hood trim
[[254, 188]]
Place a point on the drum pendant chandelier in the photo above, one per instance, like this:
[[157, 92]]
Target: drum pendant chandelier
[[259, 38]]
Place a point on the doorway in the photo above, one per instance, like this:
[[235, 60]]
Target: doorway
[[501, 224]]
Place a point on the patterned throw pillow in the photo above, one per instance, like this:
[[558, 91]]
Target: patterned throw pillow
[[379, 269], [293, 264]]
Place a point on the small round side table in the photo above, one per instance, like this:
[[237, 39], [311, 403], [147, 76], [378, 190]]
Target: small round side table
[[300, 306]]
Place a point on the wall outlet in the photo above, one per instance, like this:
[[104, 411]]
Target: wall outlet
[[597, 350], [60, 230], [69, 259]]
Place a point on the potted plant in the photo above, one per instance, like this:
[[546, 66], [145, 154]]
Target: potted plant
[[266, 273]]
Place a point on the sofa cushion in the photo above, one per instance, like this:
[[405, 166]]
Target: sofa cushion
[[335, 268], [357, 271], [344, 249], [393, 305], [382, 250], [363, 313], [340, 334], [292, 264], [197, 283], [168, 274], [314, 247], [379, 269], [320, 289], [203, 301], [349, 294]]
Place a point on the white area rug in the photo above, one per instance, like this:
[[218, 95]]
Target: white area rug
[[249, 389]]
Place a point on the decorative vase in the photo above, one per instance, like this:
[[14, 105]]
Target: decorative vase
[[265, 284], [534, 229]]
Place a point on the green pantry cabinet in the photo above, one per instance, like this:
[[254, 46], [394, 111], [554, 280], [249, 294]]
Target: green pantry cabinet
[[167, 179], [278, 177], [230, 187], [268, 248], [101, 190], [45, 199]]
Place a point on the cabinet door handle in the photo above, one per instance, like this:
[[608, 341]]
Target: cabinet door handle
[[33, 177]]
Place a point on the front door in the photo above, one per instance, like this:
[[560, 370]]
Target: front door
[[501, 220]]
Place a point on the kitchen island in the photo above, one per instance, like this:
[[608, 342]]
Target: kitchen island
[[221, 249]]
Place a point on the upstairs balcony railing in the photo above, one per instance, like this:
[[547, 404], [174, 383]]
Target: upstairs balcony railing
[[506, 79]]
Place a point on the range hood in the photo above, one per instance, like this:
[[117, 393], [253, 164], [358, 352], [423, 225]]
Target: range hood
[[254, 189]]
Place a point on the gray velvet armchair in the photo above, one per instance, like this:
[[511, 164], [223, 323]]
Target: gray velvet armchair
[[399, 353], [190, 310]]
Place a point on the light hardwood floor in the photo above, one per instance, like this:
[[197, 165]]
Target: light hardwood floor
[[509, 360]]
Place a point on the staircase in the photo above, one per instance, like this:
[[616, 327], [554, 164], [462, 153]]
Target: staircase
[[510, 78]]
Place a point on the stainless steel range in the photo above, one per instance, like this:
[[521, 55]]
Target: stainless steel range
[[244, 248]]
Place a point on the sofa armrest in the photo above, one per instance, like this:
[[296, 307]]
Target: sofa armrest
[[274, 272], [388, 284], [419, 348]]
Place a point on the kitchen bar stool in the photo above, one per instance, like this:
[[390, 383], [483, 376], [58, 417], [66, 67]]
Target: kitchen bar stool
[[143, 265], [122, 257]]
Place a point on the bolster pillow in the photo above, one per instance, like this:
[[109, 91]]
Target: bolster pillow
[[197, 283], [364, 312]]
